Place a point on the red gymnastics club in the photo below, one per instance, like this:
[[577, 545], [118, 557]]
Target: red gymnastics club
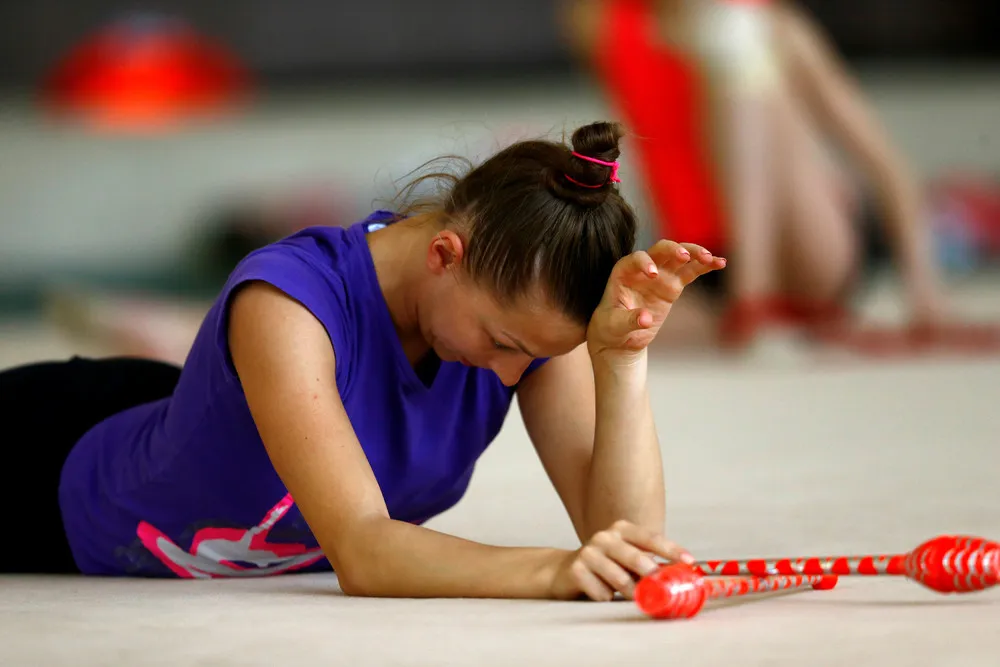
[[946, 564], [680, 591]]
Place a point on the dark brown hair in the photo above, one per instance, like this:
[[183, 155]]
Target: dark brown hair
[[526, 224]]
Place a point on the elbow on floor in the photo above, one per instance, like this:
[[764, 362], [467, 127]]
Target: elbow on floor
[[354, 583]]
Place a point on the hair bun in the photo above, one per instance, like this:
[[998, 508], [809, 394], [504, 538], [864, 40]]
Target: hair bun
[[581, 181], [599, 140]]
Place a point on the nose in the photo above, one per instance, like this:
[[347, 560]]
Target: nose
[[510, 370]]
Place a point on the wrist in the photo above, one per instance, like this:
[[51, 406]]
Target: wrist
[[618, 361], [546, 575], [619, 383]]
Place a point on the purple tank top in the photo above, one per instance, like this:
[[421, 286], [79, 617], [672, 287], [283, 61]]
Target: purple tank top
[[184, 487]]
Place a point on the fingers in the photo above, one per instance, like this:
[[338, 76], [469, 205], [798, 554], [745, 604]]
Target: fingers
[[705, 263], [614, 559], [652, 542], [644, 284], [673, 255], [694, 270], [631, 557], [622, 322], [687, 260], [589, 583], [612, 575], [636, 266]]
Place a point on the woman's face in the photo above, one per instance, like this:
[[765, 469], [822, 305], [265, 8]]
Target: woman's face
[[464, 322], [468, 325]]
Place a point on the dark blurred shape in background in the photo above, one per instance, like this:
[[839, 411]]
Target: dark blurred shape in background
[[298, 40]]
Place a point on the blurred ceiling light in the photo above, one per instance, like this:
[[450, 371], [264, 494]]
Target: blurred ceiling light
[[145, 73]]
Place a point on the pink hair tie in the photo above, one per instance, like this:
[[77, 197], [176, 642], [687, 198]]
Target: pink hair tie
[[614, 171]]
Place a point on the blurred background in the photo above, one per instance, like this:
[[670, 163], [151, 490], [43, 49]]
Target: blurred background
[[319, 106]]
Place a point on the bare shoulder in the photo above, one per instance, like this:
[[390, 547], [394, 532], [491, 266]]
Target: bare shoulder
[[265, 322], [280, 353]]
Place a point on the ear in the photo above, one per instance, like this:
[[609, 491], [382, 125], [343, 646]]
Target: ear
[[445, 252]]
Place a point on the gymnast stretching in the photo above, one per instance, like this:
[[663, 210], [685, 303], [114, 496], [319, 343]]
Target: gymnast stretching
[[345, 382]]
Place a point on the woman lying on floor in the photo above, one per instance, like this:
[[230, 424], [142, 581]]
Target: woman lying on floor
[[344, 384]]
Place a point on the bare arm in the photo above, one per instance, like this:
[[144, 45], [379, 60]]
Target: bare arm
[[835, 98], [287, 370], [594, 432]]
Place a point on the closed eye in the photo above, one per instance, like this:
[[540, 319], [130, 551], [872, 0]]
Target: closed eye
[[500, 346]]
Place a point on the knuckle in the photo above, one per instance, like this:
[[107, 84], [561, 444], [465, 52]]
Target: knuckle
[[637, 561], [589, 553], [622, 581], [579, 570], [605, 539], [621, 525], [671, 547]]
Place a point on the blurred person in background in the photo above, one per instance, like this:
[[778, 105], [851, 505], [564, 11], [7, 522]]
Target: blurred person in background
[[738, 110]]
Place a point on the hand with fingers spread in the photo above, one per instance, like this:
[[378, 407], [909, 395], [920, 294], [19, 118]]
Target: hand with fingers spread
[[612, 561], [640, 292]]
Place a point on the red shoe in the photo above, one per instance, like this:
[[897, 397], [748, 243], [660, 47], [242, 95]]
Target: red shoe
[[744, 320], [916, 340], [961, 338]]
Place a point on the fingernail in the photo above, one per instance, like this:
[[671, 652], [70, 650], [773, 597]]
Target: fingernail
[[653, 270], [687, 558], [685, 253], [723, 261], [647, 565]]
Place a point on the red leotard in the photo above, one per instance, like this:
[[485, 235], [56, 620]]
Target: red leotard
[[656, 90]]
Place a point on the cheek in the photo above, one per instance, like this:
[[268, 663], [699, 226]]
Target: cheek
[[457, 331], [468, 341]]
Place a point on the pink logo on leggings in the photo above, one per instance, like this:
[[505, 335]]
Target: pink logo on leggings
[[217, 552]]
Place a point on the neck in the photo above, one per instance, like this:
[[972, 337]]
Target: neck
[[399, 253]]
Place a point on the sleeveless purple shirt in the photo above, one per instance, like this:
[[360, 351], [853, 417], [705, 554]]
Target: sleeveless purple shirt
[[184, 487]]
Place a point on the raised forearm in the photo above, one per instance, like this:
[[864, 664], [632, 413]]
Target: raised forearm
[[626, 473], [388, 558]]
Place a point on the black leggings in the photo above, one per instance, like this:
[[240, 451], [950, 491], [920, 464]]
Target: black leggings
[[44, 409]]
